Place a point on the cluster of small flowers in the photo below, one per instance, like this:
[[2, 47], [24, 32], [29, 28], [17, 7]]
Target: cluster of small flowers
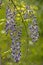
[[27, 14], [33, 26], [34, 34], [16, 53], [10, 25]]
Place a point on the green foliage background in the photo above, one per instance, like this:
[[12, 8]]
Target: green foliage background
[[35, 50]]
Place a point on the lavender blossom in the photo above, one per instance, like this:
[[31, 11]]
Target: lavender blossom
[[10, 25], [34, 34]]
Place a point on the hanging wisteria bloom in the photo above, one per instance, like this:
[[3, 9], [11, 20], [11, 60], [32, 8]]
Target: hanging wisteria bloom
[[33, 27], [34, 32], [15, 30], [14, 34]]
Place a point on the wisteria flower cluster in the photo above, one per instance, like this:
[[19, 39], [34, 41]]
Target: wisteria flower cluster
[[34, 33], [14, 34], [24, 13]]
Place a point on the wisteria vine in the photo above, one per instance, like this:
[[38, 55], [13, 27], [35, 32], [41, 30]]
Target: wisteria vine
[[15, 31]]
